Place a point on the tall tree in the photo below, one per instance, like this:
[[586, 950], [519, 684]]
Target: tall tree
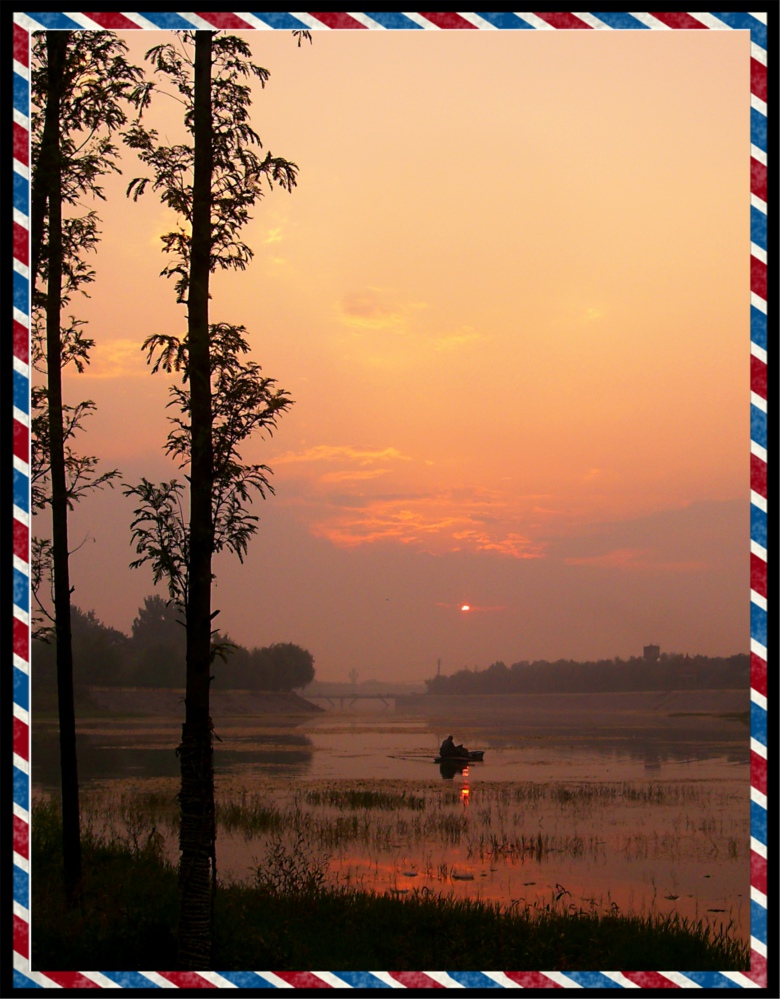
[[80, 86], [212, 183]]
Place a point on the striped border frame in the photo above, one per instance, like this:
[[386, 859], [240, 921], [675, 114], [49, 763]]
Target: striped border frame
[[24, 976]]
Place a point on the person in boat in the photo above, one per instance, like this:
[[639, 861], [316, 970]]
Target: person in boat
[[449, 749]]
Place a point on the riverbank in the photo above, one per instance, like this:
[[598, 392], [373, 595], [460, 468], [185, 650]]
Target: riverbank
[[726, 712]]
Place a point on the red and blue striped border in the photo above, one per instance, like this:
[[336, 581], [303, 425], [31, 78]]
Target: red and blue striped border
[[756, 24]]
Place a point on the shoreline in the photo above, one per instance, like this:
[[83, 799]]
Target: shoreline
[[729, 709]]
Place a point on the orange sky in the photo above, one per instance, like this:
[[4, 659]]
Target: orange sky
[[510, 298]]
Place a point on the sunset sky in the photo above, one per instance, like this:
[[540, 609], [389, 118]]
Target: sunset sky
[[510, 299]]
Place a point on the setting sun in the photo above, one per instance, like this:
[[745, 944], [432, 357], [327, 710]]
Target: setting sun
[[465, 607]]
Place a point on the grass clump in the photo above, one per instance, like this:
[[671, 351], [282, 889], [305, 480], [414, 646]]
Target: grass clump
[[250, 817], [364, 798], [291, 869]]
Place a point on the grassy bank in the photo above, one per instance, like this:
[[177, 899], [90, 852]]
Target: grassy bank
[[289, 920]]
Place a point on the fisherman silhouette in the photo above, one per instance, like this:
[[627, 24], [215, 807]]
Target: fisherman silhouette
[[449, 750]]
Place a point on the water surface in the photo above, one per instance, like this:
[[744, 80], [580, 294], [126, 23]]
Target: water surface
[[642, 821]]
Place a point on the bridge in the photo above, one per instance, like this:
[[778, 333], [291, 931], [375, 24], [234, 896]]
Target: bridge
[[349, 700]]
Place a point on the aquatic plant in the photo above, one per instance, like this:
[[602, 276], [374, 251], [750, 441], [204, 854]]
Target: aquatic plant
[[292, 869], [534, 834], [364, 798]]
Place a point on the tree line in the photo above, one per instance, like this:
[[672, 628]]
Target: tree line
[[154, 655], [671, 671]]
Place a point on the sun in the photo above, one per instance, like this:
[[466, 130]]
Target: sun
[[465, 607]]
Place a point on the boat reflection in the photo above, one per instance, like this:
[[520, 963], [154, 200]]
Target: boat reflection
[[448, 768]]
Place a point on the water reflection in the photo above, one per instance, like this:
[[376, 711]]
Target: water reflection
[[448, 768], [390, 747], [135, 750], [651, 749]]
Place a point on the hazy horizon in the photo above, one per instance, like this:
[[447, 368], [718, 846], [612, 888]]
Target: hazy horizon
[[510, 299]]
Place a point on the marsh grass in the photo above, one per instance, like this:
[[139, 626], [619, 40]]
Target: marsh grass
[[674, 820], [346, 929], [291, 919], [364, 798], [248, 816], [493, 844], [128, 904]]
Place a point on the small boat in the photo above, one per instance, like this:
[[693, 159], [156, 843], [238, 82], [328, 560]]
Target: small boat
[[474, 756]]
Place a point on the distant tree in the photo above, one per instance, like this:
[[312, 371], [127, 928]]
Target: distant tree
[[437, 684], [234, 671], [570, 676], [99, 651], [211, 183], [80, 85], [99, 657], [158, 645], [289, 666], [496, 678]]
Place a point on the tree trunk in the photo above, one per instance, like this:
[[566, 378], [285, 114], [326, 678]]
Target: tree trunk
[[48, 152], [197, 868], [56, 43]]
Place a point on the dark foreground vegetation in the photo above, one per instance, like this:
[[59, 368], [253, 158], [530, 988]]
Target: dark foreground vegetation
[[289, 920]]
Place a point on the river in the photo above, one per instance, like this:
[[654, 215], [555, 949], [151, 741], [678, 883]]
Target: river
[[648, 821]]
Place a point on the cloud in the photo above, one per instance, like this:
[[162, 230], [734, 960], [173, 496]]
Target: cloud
[[447, 521], [164, 221], [340, 452], [498, 523], [117, 359], [465, 338], [387, 332], [637, 558], [512, 544], [619, 558], [369, 309], [357, 497], [377, 309], [273, 236], [694, 538], [353, 476]]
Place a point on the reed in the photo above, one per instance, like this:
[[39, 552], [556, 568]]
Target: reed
[[291, 919], [360, 798], [375, 832]]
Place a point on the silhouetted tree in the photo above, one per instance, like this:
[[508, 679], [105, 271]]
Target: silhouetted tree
[[80, 83], [211, 184], [569, 676], [158, 644], [100, 656], [282, 666]]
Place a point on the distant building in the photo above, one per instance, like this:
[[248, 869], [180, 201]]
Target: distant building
[[651, 653]]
